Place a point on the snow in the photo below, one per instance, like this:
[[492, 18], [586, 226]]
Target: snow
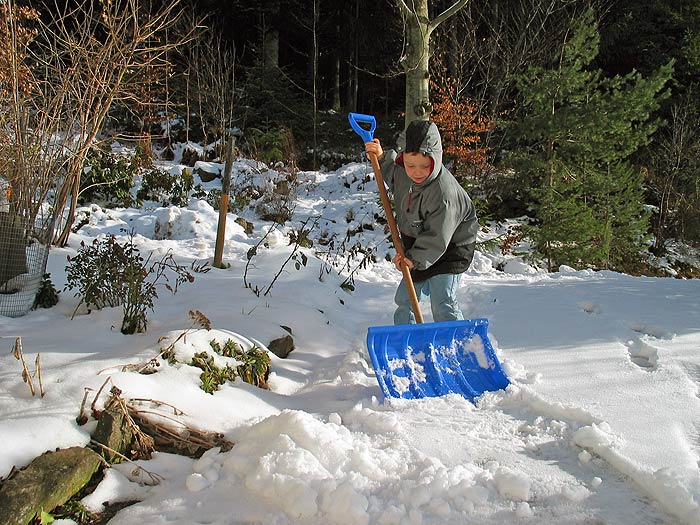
[[600, 424]]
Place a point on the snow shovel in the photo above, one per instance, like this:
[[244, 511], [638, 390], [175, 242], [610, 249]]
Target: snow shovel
[[427, 359]]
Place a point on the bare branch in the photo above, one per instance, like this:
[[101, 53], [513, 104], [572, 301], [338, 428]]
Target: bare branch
[[447, 13]]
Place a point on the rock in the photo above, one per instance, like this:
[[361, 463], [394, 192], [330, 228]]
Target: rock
[[282, 188], [49, 481], [282, 346], [112, 432], [247, 226], [207, 171]]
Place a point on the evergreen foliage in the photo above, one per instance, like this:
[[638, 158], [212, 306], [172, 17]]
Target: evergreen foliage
[[107, 179], [271, 101], [47, 296], [578, 133]]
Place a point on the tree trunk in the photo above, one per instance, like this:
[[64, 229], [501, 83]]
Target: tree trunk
[[271, 40], [419, 27], [336, 85], [353, 76], [316, 18], [335, 100], [271, 46], [418, 67]]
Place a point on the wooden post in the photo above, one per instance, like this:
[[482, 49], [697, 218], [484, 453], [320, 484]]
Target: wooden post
[[223, 206]]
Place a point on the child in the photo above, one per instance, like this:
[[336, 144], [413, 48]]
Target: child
[[436, 219]]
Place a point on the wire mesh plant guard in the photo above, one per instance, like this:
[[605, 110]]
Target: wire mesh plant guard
[[24, 251]]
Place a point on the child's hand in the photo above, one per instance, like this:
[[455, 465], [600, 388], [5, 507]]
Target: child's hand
[[374, 147], [400, 260]]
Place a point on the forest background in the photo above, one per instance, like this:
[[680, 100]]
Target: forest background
[[580, 118]]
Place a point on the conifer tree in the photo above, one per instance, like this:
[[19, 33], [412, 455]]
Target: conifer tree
[[578, 133]]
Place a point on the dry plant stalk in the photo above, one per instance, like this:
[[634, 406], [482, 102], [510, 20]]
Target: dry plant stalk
[[82, 417], [26, 375], [37, 365], [144, 444], [200, 319], [149, 367], [19, 355], [155, 478], [154, 430], [169, 434]]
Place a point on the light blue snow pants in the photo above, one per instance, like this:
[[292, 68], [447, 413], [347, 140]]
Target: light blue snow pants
[[442, 290]]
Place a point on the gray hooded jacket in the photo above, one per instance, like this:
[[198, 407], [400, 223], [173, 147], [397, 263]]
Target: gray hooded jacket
[[436, 218]]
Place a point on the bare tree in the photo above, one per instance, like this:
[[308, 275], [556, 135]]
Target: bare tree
[[83, 58], [212, 63]]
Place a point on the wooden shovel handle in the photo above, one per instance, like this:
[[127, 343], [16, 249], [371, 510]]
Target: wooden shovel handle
[[398, 245]]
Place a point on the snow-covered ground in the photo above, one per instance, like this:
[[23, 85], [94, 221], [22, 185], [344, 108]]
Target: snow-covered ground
[[600, 424]]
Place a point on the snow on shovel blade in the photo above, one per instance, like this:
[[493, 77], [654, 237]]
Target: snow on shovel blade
[[434, 359]]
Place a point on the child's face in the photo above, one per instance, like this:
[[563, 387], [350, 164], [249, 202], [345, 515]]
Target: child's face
[[417, 166]]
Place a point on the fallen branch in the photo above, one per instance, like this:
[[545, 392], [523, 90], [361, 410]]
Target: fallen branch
[[184, 440], [155, 478]]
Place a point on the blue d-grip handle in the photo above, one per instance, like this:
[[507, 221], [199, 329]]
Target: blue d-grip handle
[[366, 134]]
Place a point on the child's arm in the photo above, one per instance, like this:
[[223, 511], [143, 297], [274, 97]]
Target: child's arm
[[386, 160]]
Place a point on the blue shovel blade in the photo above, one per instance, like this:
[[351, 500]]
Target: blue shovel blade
[[433, 359]]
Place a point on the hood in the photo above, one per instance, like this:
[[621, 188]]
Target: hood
[[421, 136]]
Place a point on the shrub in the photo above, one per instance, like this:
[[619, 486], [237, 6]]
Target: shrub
[[254, 368], [274, 207], [107, 273], [278, 204], [47, 296], [190, 157], [107, 178], [272, 145], [462, 129], [158, 185], [239, 198], [97, 273]]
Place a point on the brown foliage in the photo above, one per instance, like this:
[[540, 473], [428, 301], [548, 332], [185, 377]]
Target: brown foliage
[[461, 127], [16, 34]]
